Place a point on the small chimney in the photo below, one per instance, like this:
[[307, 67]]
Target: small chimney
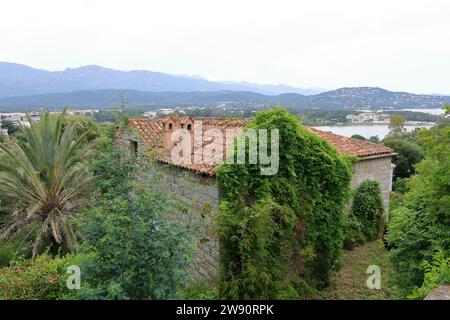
[[168, 128]]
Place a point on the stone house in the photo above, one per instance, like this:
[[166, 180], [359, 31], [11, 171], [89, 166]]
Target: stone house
[[155, 137]]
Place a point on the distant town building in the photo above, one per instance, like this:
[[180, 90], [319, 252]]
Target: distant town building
[[19, 118]]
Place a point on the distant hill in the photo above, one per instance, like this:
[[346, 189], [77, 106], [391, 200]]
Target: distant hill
[[345, 98], [20, 80], [372, 98], [110, 97]]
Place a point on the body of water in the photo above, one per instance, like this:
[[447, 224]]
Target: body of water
[[367, 131]]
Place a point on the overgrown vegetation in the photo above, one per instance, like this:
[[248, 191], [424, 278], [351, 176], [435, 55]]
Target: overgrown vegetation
[[420, 224], [436, 273], [281, 234], [134, 235]]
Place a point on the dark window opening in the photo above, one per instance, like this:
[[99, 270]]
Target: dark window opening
[[170, 126], [133, 148], [189, 127]]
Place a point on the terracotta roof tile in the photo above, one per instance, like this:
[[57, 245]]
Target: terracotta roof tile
[[352, 147]]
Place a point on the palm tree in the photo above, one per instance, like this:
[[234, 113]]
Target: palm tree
[[44, 180]]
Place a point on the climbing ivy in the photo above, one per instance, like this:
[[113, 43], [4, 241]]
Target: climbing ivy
[[282, 235]]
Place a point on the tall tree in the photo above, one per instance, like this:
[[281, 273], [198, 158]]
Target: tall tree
[[43, 181], [396, 125]]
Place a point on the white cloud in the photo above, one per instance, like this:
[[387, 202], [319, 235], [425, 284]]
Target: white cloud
[[399, 45]]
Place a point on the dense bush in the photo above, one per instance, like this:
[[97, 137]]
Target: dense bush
[[139, 251], [420, 225], [281, 234], [43, 278], [138, 234], [353, 231], [436, 273], [367, 208], [400, 185]]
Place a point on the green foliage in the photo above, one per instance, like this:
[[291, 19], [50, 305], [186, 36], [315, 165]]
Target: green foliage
[[353, 231], [138, 233], [276, 230], [41, 279], [138, 251], [400, 185], [436, 273], [358, 137], [6, 253], [44, 180], [199, 291], [414, 115], [112, 168], [396, 126], [409, 153], [322, 117], [420, 225], [9, 125], [367, 208]]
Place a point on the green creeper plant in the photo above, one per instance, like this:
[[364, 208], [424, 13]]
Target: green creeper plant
[[281, 234]]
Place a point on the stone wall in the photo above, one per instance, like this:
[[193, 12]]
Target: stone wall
[[124, 138], [202, 194], [378, 169]]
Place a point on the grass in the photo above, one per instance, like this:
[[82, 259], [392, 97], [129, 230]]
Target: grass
[[350, 284]]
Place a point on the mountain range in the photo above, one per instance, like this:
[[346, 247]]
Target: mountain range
[[22, 80], [23, 87]]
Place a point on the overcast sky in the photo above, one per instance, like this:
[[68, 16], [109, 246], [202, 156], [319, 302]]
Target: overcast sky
[[397, 45]]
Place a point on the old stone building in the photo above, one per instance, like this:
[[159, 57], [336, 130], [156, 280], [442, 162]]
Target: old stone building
[[158, 138]]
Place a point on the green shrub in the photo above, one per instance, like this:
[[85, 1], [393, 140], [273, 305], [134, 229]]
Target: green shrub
[[6, 253], [353, 232], [400, 185], [436, 273], [141, 243], [367, 208], [275, 230], [43, 278]]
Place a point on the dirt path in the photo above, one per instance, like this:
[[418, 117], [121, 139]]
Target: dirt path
[[351, 282]]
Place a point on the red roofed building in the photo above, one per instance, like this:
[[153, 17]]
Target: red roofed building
[[155, 137]]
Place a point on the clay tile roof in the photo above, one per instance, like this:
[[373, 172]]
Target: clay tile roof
[[151, 130], [352, 147]]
